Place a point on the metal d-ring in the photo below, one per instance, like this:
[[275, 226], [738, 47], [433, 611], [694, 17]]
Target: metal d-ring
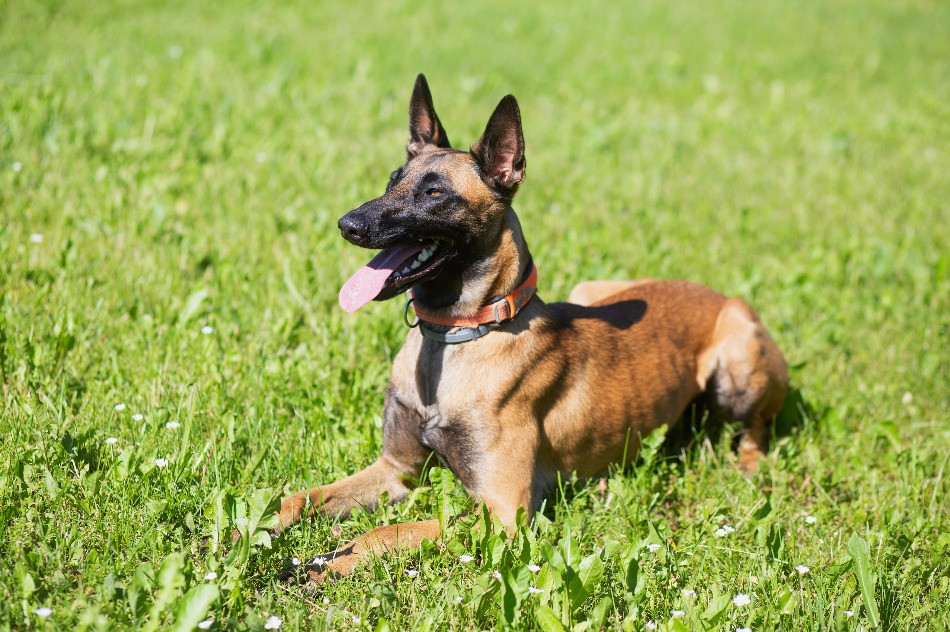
[[405, 315]]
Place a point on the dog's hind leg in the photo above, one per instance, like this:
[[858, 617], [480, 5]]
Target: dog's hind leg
[[590, 292], [746, 375]]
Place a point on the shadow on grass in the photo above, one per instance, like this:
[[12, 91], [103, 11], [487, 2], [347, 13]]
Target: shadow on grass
[[702, 420]]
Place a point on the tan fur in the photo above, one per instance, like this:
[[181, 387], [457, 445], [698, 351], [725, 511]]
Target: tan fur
[[562, 388]]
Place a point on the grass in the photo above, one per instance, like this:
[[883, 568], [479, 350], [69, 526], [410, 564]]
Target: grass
[[183, 165]]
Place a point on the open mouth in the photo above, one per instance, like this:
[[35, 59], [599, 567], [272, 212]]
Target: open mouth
[[392, 271]]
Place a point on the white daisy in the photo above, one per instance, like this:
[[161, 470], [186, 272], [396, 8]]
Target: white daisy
[[649, 625], [802, 569], [907, 398], [653, 547], [741, 599], [17, 166], [534, 590], [810, 519], [496, 575], [678, 613], [534, 568], [43, 612], [207, 329], [849, 613], [138, 417], [326, 601], [721, 533], [36, 238], [357, 620], [458, 599], [111, 440], [743, 629], [171, 425], [319, 561], [465, 558], [295, 561], [272, 623], [206, 624], [688, 592], [412, 572], [210, 575], [120, 407], [161, 462]]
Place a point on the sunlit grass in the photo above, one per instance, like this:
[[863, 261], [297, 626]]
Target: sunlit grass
[[172, 358]]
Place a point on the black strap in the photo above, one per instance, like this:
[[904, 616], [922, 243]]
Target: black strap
[[463, 334]]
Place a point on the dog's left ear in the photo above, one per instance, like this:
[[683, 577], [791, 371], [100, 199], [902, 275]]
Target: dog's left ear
[[425, 128], [500, 151]]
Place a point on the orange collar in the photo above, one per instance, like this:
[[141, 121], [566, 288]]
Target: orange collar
[[505, 308]]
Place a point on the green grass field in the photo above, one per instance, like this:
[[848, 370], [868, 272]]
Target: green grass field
[[170, 180]]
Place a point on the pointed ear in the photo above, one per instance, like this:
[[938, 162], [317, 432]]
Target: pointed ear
[[425, 128], [500, 151]]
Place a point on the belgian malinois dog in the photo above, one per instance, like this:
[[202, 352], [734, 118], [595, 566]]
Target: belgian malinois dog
[[507, 390]]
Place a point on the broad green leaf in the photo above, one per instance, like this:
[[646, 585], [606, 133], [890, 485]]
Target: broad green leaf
[[193, 607], [590, 571], [599, 613], [547, 620], [861, 554], [717, 606], [169, 579]]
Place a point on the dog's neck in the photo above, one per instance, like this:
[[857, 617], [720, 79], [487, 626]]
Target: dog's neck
[[462, 289]]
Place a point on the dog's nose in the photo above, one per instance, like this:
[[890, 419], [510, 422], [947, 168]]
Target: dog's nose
[[353, 228]]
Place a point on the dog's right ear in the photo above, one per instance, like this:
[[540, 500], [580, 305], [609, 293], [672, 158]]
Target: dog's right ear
[[425, 128]]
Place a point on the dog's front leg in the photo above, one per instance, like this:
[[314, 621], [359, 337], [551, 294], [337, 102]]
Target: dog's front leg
[[501, 473], [394, 472], [389, 539], [358, 490]]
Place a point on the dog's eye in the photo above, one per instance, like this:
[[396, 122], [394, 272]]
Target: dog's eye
[[433, 192]]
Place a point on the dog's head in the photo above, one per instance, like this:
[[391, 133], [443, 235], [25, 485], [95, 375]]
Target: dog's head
[[442, 210]]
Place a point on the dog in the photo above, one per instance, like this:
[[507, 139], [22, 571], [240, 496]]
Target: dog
[[506, 390]]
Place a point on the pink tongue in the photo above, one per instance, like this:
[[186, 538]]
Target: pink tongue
[[369, 280]]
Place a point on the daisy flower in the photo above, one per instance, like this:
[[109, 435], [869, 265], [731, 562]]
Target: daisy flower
[[273, 623], [741, 599]]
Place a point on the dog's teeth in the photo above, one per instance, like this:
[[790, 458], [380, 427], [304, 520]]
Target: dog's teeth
[[405, 270], [424, 255], [415, 264]]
